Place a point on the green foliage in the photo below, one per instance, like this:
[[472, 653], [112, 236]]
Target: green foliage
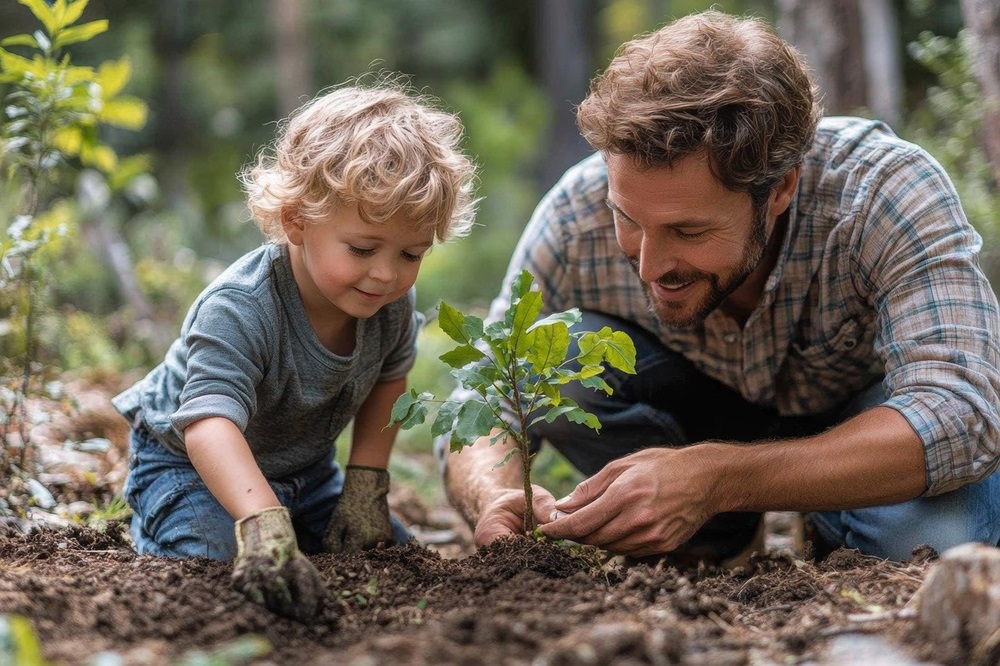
[[521, 375], [949, 125], [18, 642], [52, 113]]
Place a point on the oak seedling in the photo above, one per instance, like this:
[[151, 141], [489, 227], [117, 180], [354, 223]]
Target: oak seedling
[[518, 380]]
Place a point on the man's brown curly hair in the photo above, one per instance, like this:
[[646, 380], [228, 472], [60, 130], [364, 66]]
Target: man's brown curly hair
[[723, 84]]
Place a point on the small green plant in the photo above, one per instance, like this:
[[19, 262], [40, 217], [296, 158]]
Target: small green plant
[[52, 113], [19, 644], [521, 375]]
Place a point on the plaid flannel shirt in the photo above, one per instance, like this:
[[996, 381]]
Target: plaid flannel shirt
[[878, 277]]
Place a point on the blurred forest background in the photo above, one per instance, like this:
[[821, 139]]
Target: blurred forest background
[[138, 232]]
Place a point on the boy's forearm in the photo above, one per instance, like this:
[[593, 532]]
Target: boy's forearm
[[372, 441], [221, 456]]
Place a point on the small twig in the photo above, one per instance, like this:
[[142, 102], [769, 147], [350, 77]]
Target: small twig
[[780, 607]]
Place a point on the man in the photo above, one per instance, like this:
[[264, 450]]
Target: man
[[813, 331]]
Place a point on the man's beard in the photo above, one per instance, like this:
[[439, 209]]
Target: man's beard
[[718, 291]]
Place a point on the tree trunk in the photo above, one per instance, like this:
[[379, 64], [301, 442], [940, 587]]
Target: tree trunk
[[565, 55], [883, 65], [291, 46], [982, 17], [828, 34]]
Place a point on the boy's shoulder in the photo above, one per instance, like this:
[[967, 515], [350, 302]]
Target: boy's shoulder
[[256, 281]]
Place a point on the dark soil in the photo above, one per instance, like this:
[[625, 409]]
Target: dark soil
[[91, 600], [517, 602]]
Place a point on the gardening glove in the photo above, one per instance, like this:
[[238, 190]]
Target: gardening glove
[[269, 568], [361, 519]]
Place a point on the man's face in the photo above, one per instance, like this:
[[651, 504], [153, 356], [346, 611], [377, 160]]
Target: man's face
[[691, 241]]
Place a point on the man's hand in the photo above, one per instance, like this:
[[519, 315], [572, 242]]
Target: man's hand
[[361, 519], [271, 571], [647, 503], [504, 514]]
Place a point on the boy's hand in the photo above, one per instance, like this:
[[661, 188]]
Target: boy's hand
[[361, 519], [271, 571]]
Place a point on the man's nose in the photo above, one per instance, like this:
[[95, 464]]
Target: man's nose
[[655, 260]]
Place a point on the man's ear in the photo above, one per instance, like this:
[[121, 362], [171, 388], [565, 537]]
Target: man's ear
[[782, 193], [293, 224]]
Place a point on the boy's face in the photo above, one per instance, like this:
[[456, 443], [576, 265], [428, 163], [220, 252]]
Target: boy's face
[[346, 265]]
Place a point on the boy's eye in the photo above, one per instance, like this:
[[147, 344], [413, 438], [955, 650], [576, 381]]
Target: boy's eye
[[409, 256], [360, 251]]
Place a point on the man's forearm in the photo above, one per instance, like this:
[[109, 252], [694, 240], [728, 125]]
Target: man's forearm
[[472, 477], [872, 459]]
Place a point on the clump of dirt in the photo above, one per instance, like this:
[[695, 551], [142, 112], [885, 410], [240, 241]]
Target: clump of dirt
[[518, 601]]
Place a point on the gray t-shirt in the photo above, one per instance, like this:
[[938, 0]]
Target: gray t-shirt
[[247, 353]]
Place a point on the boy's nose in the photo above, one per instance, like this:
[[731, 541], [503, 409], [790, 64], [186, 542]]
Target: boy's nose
[[383, 271]]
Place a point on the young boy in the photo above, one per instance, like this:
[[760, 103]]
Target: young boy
[[232, 446]]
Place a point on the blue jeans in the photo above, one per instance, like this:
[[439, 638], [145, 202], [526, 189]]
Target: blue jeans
[[175, 514], [670, 403]]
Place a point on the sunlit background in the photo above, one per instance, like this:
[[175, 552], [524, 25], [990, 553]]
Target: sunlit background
[[218, 76]]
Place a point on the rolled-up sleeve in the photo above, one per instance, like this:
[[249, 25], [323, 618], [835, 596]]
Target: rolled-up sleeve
[[938, 321], [225, 362]]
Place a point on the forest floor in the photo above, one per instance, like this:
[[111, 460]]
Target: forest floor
[[70, 571]]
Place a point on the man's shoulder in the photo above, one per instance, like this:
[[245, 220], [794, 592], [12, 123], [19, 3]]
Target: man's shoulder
[[845, 142], [579, 198]]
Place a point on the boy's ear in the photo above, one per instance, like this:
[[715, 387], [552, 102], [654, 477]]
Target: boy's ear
[[293, 225]]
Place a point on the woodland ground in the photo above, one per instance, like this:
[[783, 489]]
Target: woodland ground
[[90, 599]]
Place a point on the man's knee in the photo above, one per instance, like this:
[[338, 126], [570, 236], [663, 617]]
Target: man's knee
[[971, 513]]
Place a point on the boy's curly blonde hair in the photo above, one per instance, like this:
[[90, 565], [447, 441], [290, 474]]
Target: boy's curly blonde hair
[[382, 147]]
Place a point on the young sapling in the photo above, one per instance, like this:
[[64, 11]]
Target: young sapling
[[519, 377]]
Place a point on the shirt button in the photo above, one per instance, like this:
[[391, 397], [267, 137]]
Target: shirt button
[[729, 338]]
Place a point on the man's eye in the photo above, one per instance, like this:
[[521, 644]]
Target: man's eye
[[690, 235], [360, 251]]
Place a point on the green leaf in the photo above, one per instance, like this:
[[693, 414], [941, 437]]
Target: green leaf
[[597, 383], [459, 327], [551, 392], [476, 378], [80, 33], [461, 356], [20, 40], [525, 313], [100, 156], [474, 420], [573, 412], [620, 352], [408, 410], [445, 420], [126, 112], [591, 348], [569, 317], [129, 168], [506, 458], [73, 11], [521, 285], [43, 13], [113, 75], [549, 346]]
